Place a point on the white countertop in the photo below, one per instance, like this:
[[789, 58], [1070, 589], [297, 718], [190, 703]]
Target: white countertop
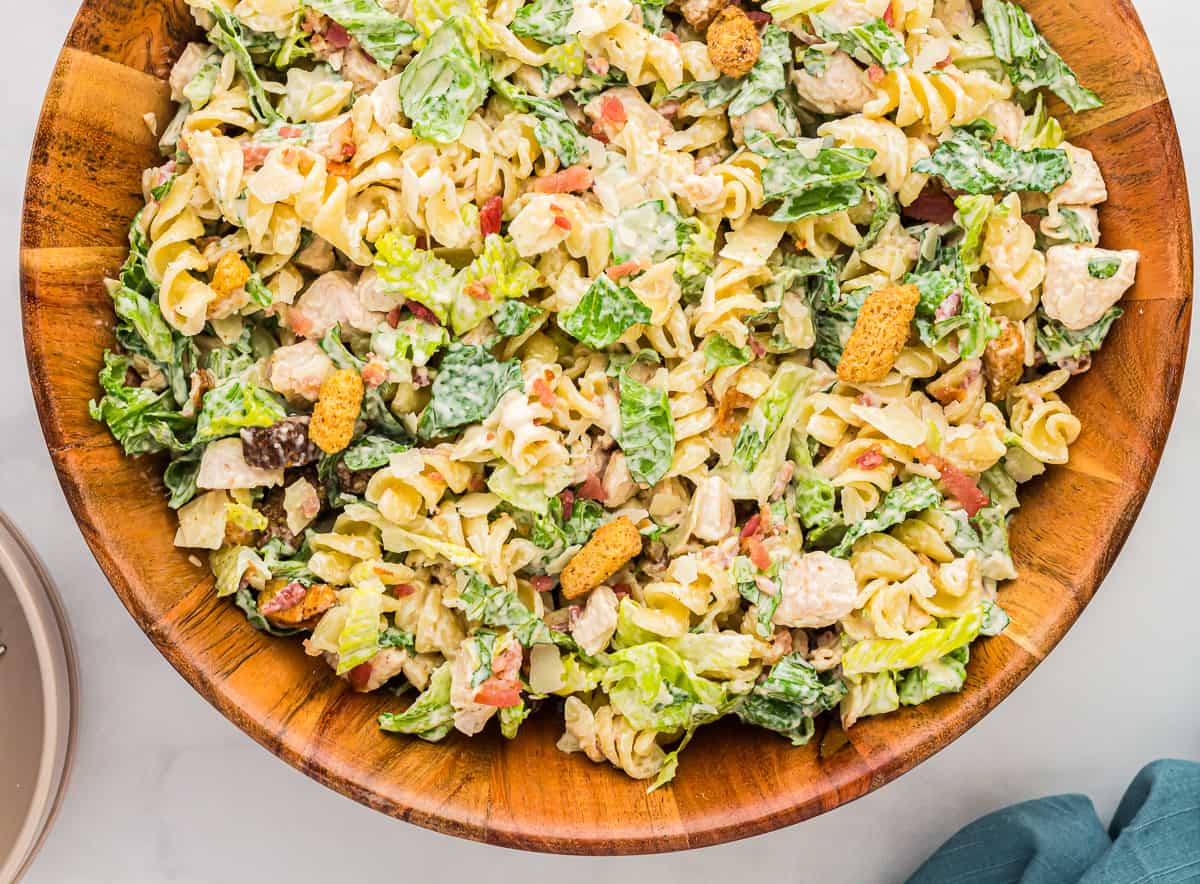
[[165, 789]]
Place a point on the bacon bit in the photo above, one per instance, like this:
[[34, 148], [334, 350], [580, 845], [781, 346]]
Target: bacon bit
[[932, 205], [489, 216], [733, 399], [423, 313], [759, 18], [668, 109], [567, 497], [598, 65], [875, 74], [574, 614], [393, 317], [375, 372], [870, 459], [286, 599], [477, 291], [950, 306], [592, 489], [400, 590], [290, 132], [499, 692], [573, 179], [254, 155], [958, 484], [420, 377], [867, 399], [337, 36], [360, 676], [542, 390], [621, 590], [421, 240], [758, 553], [562, 222], [889, 16], [944, 63], [617, 271], [598, 133], [672, 37], [542, 582], [751, 527], [612, 111], [508, 662], [757, 347]]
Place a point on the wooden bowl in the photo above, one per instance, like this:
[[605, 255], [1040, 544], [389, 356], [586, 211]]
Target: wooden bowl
[[83, 189]]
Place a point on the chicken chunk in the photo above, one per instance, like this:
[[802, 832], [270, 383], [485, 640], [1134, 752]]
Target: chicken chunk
[[1083, 282], [843, 88], [331, 300], [818, 590], [223, 466], [764, 118], [700, 13], [618, 484], [595, 626], [711, 514], [1086, 185], [297, 371]]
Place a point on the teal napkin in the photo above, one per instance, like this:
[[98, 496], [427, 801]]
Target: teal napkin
[[1154, 836]]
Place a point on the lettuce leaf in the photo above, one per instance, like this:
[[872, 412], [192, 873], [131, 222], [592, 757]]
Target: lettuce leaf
[[544, 20], [606, 311], [498, 607], [914, 496], [808, 186], [654, 688], [552, 531], [142, 420], [141, 316], [944, 676], [976, 165], [469, 384], [719, 353], [1059, 343], [514, 318], [229, 36], [1028, 58], [767, 415], [443, 85], [791, 697], [371, 452], [870, 42], [415, 274], [504, 275], [380, 33], [647, 434], [697, 248], [555, 131], [649, 231], [768, 77], [430, 717], [919, 649], [358, 641], [234, 405]]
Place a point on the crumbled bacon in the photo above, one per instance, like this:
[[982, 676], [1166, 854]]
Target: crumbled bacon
[[489, 216], [400, 590], [875, 74], [254, 155], [599, 134], [562, 222], [477, 291], [950, 306], [668, 109], [612, 111], [957, 483], [758, 553], [621, 590], [751, 527], [932, 205], [286, 599], [541, 389], [867, 399], [758, 17], [889, 16], [617, 271], [375, 372], [290, 132], [733, 399], [592, 489], [336, 35], [393, 317], [542, 582], [567, 497], [870, 459], [360, 676], [756, 346], [573, 179], [423, 313], [597, 64], [944, 63], [671, 37]]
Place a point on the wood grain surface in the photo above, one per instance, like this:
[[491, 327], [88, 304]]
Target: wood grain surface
[[83, 189]]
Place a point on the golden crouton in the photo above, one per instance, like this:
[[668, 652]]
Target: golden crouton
[[1004, 360], [879, 334], [611, 547], [733, 42], [231, 274], [333, 417], [304, 612]]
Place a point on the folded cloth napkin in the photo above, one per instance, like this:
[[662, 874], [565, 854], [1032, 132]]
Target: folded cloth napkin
[[1154, 836]]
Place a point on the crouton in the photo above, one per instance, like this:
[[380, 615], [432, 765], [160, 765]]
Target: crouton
[[291, 605], [879, 334], [230, 275], [733, 42], [1004, 360], [336, 411], [610, 548]]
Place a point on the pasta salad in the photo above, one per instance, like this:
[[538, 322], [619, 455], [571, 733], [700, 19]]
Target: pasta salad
[[657, 362]]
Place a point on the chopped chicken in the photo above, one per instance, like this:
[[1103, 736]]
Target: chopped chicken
[[818, 590], [843, 88], [1075, 291], [224, 467]]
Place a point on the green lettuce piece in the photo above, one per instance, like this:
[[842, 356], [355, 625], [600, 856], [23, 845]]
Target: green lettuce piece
[[505, 276], [995, 619], [234, 405], [1071, 228], [511, 718], [938, 279], [371, 452], [919, 649], [1040, 129], [133, 271], [976, 165], [555, 131], [443, 85], [1103, 268], [648, 230], [944, 676], [230, 564], [808, 186], [180, 477], [552, 531], [779, 716], [1059, 343], [381, 34], [914, 496], [296, 46], [606, 311], [398, 638], [415, 274], [745, 577], [815, 496], [791, 697], [872, 694], [286, 564], [833, 321], [430, 717], [654, 688], [358, 641], [229, 36], [880, 43], [544, 20], [469, 384], [972, 216], [142, 420], [1028, 58], [514, 318], [719, 353], [647, 434], [498, 607], [714, 654], [695, 257], [142, 316], [532, 493], [768, 77], [411, 342], [766, 417]]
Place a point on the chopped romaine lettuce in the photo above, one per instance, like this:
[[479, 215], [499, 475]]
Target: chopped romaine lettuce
[[768, 77], [648, 231], [914, 496], [944, 676], [514, 318], [698, 244], [790, 697], [647, 434], [827, 182], [1059, 343], [498, 607], [972, 216], [552, 531], [234, 405], [371, 452], [443, 85], [496, 276], [719, 353], [766, 417], [142, 420], [606, 311], [919, 649], [229, 36], [430, 717], [654, 688], [544, 20], [358, 641], [469, 383], [555, 131], [415, 274], [381, 34], [975, 164]]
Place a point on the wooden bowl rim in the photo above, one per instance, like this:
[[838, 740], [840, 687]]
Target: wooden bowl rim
[[704, 827]]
